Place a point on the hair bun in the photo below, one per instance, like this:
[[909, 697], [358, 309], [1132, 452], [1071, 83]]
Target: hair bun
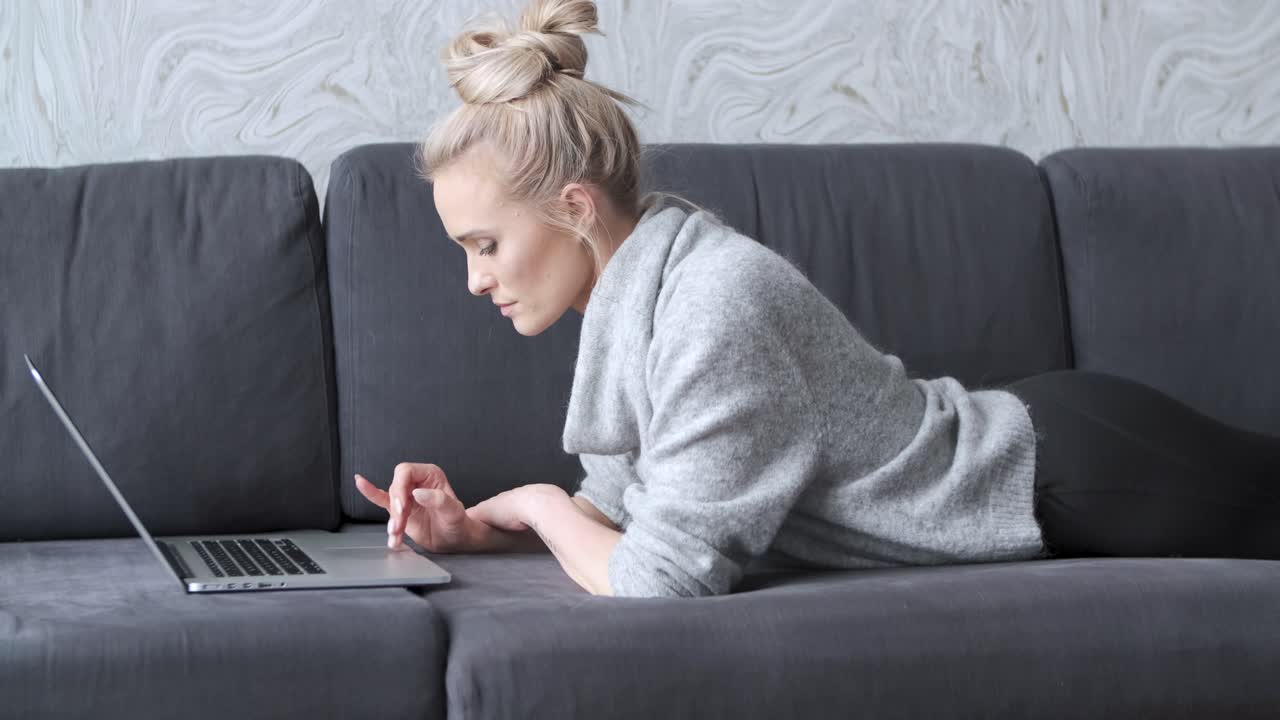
[[493, 64]]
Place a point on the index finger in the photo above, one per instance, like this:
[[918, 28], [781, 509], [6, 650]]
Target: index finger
[[372, 492], [402, 483]]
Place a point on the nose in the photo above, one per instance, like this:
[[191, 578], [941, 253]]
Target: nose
[[479, 281]]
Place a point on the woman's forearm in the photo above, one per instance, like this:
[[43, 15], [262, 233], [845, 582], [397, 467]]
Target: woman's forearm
[[490, 539], [496, 540], [593, 512], [579, 542]]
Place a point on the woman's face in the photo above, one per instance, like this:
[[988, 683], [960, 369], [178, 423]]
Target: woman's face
[[535, 271]]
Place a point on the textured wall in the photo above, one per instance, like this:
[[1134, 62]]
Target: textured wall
[[97, 80]]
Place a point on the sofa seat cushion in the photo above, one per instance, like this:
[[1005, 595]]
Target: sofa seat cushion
[[96, 628], [1099, 637]]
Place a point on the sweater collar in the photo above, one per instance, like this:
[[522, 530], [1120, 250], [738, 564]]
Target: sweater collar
[[617, 327], [631, 254]]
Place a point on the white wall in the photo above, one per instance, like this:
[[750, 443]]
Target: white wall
[[99, 80]]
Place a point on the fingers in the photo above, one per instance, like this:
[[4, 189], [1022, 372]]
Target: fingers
[[442, 483], [431, 498], [398, 500], [402, 483], [440, 506], [376, 496], [498, 512], [409, 477], [371, 492]]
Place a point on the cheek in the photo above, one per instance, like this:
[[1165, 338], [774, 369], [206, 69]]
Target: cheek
[[542, 267], [520, 270], [549, 270]]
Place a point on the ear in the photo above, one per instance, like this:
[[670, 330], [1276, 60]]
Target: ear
[[580, 203]]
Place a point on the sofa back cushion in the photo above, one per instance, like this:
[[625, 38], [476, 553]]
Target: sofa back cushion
[[943, 255], [1172, 265], [179, 311]]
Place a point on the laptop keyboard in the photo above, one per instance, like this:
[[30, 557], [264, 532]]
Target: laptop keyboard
[[255, 557]]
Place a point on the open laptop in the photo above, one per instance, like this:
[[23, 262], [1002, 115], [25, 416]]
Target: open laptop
[[268, 561]]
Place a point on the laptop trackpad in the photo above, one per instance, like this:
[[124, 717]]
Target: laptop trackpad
[[360, 553], [374, 553]]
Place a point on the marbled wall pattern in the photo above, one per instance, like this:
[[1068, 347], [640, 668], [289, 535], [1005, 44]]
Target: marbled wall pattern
[[102, 80]]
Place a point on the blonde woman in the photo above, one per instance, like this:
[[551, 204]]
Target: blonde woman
[[725, 411]]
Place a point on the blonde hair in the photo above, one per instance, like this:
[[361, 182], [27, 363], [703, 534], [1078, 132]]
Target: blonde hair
[[524, 93]]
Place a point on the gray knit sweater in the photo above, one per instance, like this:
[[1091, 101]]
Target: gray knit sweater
[[726, 413]]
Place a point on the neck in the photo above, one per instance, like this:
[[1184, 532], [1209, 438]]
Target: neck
[[617, 229]]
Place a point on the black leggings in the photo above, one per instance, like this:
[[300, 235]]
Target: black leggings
[[1123, 469]]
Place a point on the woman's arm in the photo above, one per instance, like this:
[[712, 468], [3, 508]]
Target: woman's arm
[[594, 513], [493, 539], [581, 543]]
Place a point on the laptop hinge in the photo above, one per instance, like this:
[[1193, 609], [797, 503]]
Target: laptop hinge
[[175, 560]]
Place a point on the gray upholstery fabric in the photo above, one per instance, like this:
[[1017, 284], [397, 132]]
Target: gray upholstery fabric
[[179, 310], [941, 254], [1095, 638], [1172, 265], [97, 629]]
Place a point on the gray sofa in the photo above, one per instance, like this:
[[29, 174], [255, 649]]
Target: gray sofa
[[235, 360]]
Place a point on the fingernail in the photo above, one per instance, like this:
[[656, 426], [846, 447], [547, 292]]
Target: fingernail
[[391, 543], [395, 505], [391, 523]]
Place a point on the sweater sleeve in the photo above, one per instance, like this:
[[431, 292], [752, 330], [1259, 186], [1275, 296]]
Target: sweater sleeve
[[734, 439], [607, 476]]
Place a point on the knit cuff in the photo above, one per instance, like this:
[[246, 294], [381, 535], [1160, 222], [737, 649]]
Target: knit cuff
[[1018, 533]]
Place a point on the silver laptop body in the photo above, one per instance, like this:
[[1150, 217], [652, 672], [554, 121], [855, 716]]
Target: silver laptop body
[[268, 561]]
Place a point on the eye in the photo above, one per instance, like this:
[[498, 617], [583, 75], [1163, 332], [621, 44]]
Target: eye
[[488, 249]]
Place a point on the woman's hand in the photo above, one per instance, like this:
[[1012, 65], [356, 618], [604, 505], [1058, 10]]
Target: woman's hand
[[514, 509], [421, 502]]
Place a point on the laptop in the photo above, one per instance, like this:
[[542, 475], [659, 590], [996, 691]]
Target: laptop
[[292, 560]]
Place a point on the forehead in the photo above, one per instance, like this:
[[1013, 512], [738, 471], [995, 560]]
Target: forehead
[[467, 193]]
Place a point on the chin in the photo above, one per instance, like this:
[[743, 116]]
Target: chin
[[527, 333], [530, 327]]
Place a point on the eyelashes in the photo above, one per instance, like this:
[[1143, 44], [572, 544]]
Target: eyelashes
[[488, 249]]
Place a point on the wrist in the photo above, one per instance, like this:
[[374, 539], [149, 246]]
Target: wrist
[[542, 498], [485, 538]]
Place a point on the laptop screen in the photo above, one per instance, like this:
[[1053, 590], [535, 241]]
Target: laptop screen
[[102, 473]]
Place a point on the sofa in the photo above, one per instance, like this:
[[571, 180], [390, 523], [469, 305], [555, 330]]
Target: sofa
[[234, 354]]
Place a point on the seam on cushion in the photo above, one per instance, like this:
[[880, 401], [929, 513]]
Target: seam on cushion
[[1060, 274], [1089, 250], [351, 303], [752, 161], [328, 370], [298, 193], [264, 173]]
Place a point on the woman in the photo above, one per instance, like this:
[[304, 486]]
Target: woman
[[725, 411]]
